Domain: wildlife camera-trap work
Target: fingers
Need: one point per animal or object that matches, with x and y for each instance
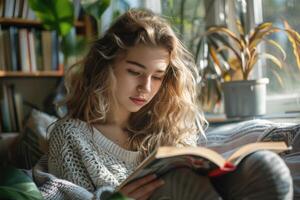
(133, 186)
(146, 196)
(145, 191)
(143, 188)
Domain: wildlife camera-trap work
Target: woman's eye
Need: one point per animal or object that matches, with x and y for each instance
(157, 78)
(133, 72)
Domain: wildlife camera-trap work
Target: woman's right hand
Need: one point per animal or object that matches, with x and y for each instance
(142, 189)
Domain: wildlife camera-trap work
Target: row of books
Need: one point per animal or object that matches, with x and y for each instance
(16, 9)
(29, 50)
(12, 113)
(21, 9)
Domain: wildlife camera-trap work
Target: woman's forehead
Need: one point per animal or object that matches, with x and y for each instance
(148, 55)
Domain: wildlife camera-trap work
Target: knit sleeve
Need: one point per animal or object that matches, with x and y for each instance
(53, 188)
(72, 158)
(190, 140)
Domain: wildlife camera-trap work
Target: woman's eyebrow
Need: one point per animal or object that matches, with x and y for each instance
(136, 63)
(142, 66)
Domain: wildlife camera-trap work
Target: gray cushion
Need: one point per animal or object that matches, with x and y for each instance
(32, 143)
(227, 137)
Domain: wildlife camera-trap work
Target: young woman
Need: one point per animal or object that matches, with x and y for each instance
(135, 91)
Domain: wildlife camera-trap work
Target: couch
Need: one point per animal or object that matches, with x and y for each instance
(24, 150)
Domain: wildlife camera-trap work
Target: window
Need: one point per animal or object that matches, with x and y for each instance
(187, 18)
(191, 17)
(284, 86)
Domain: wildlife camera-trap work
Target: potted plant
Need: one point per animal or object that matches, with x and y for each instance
(59, 16)
(234, 56)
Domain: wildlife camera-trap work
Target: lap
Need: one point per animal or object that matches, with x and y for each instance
(261, 175)
(183, 183)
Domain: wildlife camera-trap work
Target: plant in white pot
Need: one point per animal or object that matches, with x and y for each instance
(234, 57)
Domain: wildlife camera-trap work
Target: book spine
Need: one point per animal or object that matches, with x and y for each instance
(19, 110)
(11, 107)
(31, 45)
(7, 52)
(47, 50)
(2, 55)
(9, 8)
(54, 52)
(24, 55)
(7, 126)
(13, 47)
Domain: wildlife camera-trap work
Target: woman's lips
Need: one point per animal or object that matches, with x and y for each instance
(138, 101)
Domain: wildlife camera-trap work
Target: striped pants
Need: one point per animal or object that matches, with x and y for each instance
(262, 175)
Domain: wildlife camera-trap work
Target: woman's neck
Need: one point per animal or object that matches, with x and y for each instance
(115, 128)
(119, 119)
(115, 133)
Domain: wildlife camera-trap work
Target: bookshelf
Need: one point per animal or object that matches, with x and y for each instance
(30, 22)
(38, 74)
(31, 64)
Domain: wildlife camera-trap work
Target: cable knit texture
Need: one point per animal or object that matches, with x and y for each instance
(85, 157)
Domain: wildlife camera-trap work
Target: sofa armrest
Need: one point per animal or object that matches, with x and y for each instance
(7, 141)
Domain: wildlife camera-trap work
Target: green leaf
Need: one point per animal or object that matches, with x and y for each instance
(171, 4)
(73, 45)
(14, 184)
(227, 32)
(95, 8)
(222, 40)
(55, 15)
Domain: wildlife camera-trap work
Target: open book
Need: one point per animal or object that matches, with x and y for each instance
(202, 160)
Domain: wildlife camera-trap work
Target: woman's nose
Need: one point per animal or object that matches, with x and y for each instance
(145, 84)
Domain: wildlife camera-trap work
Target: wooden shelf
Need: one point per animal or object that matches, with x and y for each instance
(7, 74)
(30, 23)
(9, 134)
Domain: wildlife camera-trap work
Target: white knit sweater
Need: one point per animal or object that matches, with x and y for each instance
(87, 158)
(83, 164)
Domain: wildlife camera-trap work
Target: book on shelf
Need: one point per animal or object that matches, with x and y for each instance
(38, 49)
(8, 8)
(50, 50)
(18, 100)
(14, 47)
(24, 53)
(201, 160)
(29, 50)
(16, 9)
(7, 53)
(11, 105)
(5, 112)
(9, 43)
(2, 56)
(11, 109)
(1, 8)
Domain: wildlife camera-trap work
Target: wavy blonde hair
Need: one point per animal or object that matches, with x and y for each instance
(172, 115)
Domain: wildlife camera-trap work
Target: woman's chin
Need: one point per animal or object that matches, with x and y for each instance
(134, 109)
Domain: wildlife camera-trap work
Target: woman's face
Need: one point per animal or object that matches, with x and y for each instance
(139, 74)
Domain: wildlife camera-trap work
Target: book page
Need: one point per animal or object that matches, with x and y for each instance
(201, 160)
(239, 154)
(203, 152)
(161, 166)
